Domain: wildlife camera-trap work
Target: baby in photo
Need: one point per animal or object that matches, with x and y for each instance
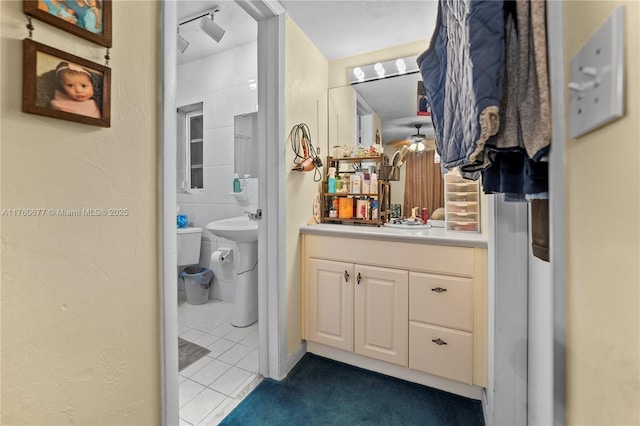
(74, 91)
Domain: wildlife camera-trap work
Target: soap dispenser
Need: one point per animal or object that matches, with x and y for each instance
(236, 183)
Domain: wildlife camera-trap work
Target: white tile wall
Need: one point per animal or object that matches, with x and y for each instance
(213, 385)
(223, 82)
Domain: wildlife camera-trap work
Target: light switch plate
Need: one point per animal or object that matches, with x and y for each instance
(596, 78)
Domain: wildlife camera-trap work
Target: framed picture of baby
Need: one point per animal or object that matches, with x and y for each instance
(89, 19)
(61, 85)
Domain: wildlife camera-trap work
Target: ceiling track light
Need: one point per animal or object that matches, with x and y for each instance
(182, 42)
(211, 29)
(206, 24)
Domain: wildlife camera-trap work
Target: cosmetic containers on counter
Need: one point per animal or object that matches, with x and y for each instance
(354, 207)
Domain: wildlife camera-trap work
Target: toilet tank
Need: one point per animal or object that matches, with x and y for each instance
(189, 240)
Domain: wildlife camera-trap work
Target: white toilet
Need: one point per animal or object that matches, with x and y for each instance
(189, 241)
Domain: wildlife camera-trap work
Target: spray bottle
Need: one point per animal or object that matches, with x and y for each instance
(332, 180)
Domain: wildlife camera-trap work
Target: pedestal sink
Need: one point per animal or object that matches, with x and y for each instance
(244, 232)
(239, 229)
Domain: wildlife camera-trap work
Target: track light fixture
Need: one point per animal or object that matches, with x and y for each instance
(211, 29)
(182, 43)
(206, 24)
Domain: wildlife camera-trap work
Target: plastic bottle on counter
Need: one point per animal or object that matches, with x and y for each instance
(373, 185)
(236, 183)
(332, 180)
(366, 183)
(338, 184)
(355, 184)
(362, 208)
(346, 184)
(374, 209)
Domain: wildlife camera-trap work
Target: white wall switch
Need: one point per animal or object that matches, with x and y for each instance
(596, 78)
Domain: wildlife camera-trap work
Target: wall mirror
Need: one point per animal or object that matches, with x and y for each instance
(394, 103)
(245, 128)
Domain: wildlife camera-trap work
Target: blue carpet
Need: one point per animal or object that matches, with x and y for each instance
(320, 391)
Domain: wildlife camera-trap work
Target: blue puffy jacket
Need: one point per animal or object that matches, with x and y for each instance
(462, 73)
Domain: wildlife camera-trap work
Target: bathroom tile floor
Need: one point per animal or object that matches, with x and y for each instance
(212, 386)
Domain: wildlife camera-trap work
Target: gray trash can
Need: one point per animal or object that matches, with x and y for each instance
(196, 284)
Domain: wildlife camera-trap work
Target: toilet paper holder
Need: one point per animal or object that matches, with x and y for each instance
(222, 255)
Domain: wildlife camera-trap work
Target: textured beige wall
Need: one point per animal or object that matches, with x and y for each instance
(80, 295)
(603, 243)
(306, 102)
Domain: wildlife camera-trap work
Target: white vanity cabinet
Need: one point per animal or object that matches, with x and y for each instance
(420, 307)
(358, 308)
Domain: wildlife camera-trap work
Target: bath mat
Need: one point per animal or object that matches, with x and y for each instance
(188, 353)
(320, 391)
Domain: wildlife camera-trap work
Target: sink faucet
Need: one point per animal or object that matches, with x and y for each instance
(254, 216)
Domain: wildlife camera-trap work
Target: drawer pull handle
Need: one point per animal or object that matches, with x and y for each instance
(346, 276)
(359, 278)
(438, 289)
(439, 342)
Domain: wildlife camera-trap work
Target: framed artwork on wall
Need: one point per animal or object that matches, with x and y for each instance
(89, 19)
(61, 85)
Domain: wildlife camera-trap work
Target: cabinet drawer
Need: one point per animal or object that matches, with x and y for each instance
(441, 300)
(441, 352)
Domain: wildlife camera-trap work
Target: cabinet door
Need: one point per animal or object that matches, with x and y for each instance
(382, 313)
(330, 303)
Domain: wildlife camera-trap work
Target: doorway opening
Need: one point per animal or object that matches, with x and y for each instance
(272, 355)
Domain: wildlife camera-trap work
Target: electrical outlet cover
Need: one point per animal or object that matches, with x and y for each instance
(596, 88)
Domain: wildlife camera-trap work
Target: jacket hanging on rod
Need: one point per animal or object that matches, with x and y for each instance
(462, 74)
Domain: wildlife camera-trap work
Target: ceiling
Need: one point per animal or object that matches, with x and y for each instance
(346, 28)
(239, 28)
(351, 27)
(339, 29)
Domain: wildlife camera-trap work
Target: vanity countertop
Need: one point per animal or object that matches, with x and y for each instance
(438, 236)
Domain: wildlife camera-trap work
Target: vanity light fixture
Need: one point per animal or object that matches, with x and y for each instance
(207, 25)
(383, 69)
(358, 73)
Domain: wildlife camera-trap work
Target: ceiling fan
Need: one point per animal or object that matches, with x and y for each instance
(418, 141)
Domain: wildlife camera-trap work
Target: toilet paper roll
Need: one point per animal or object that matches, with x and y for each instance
(220, 256)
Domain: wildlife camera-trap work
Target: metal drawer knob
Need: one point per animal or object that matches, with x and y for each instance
(346, 276)
(439, 342)
(438, 289)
